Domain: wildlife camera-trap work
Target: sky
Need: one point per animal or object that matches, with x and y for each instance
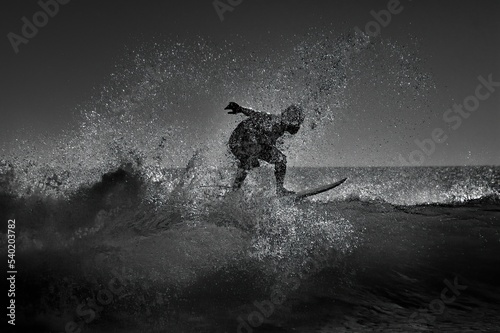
(71, 58)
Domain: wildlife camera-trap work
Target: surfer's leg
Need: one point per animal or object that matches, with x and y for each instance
(247, 155)
(274, 156)
(241, 174)
(279, 173)
(246, 163)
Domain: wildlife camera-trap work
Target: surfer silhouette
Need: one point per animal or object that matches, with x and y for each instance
(255, 139)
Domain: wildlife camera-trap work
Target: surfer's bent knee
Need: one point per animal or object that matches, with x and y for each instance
(281, 159)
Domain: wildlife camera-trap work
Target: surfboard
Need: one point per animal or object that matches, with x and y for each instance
(316, 190)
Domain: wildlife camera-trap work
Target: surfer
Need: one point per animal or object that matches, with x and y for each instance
(255, 139)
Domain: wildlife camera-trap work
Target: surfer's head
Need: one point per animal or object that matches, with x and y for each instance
(292, 117)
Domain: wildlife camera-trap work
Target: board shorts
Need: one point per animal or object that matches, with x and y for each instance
(249, 154)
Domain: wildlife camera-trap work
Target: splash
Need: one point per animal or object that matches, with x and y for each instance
(164, 102)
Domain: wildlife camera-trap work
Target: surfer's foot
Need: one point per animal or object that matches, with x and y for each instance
(281, 191)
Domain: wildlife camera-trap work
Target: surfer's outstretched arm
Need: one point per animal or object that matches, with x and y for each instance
(235, 109)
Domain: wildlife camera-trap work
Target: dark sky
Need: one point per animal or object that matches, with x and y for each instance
(70, 58)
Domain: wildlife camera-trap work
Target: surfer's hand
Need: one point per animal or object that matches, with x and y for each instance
(234, 107)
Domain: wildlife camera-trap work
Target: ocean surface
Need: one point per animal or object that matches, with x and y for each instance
(394, 249)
